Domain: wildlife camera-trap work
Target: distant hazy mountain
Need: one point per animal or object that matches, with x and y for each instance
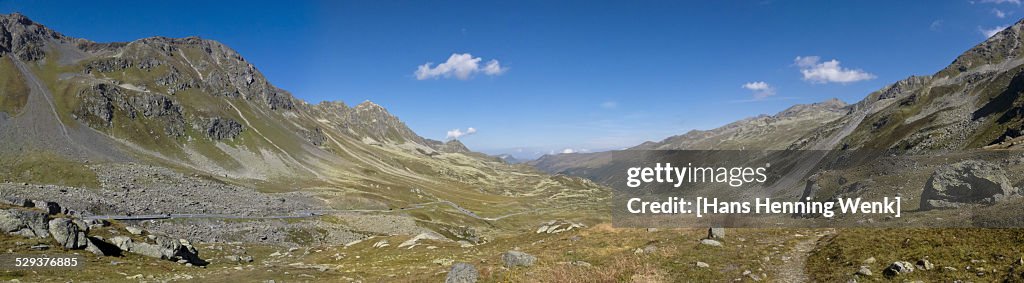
(777, 131)
(508, 158)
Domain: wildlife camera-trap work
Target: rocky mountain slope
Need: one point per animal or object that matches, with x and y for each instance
(973, 103)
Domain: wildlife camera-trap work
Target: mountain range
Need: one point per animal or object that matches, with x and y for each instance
(161, 150)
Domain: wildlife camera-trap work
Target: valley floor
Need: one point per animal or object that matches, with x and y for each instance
(597, 254)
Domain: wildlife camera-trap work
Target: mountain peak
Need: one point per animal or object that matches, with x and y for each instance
(453, 146)
(369, 105)
(1003, 46)
(25, 38)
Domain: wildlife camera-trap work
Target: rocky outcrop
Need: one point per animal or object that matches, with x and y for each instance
(904, 86)
(96, 106)
(101, 102)
(220, 128)
(964, 183)
(175, 81)
(315, 137)
(107, 65)
(24, 222)
(72, 234)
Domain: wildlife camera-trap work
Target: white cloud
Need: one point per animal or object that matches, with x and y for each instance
(936, 25)
(992, 31)
(460, 66)
(457, 133)
(1017, 2)
(829, 71)
(760, 89)
(999, 13)
(494, 68)
(569, 150)
(609, 105)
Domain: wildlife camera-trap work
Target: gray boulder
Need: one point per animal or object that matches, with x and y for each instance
(163, 248)
(123, 243)
(133, 230)
(864, 271)
(967, 182)
(97, 246)
(711, 242)
(898, 268)
(27, 223)
(517, 258)
(16, 201)
(716, 233)
(462, 273)
(66, 233)
(50, 207)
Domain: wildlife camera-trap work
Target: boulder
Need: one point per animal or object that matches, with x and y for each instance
(99, 247)
(716, 233)
(864, 271)
(16, 201)
(967, 182)
(517, 258)
(711, 242)
(164, 248)
(898, 268)
(462, 273)
(66, 233)
(133, 230)
(122, 242)
(924, 264)
(50, 207)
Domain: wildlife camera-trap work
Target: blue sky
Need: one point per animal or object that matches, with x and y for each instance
(581, 75)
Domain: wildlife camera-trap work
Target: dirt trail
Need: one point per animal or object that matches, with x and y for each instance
(794, 264)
